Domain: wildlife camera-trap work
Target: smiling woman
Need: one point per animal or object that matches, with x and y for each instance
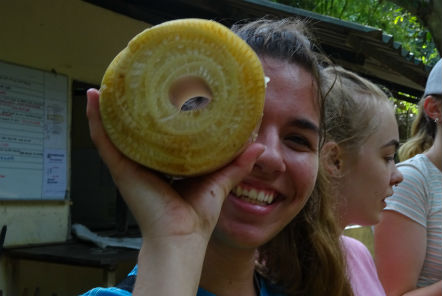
(262, 224)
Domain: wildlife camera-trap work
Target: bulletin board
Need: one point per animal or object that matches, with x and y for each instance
(33, 134)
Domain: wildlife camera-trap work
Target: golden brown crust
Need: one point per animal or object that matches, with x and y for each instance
(142, 119)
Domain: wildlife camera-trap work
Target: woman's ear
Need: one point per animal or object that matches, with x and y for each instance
(433, 108)
(331, 158)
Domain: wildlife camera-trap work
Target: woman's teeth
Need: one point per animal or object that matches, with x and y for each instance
(254, 196)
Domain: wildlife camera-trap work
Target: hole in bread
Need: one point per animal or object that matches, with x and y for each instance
(190, 93)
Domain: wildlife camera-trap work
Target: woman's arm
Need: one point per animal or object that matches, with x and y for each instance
(400, 247)
(175, 222)
(434, 289)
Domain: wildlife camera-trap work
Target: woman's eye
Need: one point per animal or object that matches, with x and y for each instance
(298, 142)
(389, 158)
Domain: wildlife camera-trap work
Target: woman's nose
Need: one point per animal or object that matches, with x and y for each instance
(271, 162)
(396, 177)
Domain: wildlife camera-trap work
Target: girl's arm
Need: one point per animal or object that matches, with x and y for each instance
(400, 247)
(176, 222)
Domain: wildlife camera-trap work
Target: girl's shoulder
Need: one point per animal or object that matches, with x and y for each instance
(420, 164)
(354, 246)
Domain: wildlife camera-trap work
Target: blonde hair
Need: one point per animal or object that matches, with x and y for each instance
(423, 131)
(351, 107)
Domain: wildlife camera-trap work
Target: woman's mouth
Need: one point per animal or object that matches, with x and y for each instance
(253, 195)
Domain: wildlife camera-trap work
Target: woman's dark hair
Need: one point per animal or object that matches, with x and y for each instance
(306, 257)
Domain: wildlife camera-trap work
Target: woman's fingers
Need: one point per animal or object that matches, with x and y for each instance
(106, 149)
(235, 172)
(117, 163)
(207, 193)
(151, 199)
(126, 174)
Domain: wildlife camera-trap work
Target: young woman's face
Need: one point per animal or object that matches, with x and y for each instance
(284, 175)
(369, 175)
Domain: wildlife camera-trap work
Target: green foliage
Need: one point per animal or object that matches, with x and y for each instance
(385, 15)
(405, 114)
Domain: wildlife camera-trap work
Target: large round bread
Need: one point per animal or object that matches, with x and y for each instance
(184, 97)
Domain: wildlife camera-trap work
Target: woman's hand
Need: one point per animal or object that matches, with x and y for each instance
(191, 206)
(176, 221)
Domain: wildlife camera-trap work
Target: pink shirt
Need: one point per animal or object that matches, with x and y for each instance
(361, 269)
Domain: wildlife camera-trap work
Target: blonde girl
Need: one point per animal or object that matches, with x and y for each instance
(408, 241)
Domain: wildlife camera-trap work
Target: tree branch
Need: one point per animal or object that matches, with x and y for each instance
(429, 14)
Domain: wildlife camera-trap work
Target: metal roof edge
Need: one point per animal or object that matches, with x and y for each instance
(385, 38)
(313, 15)
(388, 39)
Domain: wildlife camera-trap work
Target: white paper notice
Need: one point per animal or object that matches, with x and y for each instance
(33, 133)
(54, 183)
